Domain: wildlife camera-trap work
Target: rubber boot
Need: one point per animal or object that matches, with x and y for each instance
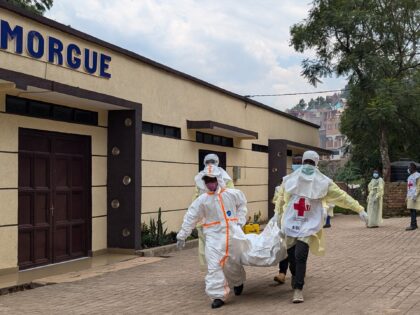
(217, 303)
(238, 290)
(413, 223)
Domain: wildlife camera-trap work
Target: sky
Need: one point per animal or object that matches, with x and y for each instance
(239, 45)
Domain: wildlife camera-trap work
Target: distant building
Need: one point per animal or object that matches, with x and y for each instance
(329, 120)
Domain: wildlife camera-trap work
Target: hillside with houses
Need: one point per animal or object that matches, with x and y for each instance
(325, 112)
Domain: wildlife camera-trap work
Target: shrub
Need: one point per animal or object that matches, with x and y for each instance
(154, 234)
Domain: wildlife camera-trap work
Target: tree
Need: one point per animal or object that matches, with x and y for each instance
(348, 174)
(374, 43)
(35, 6)
(300, 106)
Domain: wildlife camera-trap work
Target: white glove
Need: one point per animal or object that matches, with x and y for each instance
(180, 244)
(363, 216)
(282, 234)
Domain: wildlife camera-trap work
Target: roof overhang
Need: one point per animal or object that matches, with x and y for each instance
(220, 129)
(293, 144)
(85, 37)
(27, 86)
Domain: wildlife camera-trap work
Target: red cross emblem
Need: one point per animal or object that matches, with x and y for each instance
(410, 184)
(301, 207)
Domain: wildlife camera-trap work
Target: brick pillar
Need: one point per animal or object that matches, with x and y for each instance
(394, 203)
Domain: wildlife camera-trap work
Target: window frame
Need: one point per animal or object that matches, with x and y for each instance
(50, 109)
(208, 138)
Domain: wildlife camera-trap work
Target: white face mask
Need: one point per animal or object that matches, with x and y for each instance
(295, 167)
(375, 175)
(408, 171)
(308, 169)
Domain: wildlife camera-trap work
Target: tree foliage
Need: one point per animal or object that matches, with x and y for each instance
(375, 44)
(300, 106)
(35, 6)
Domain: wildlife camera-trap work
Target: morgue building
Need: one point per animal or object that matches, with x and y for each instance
(94, 139)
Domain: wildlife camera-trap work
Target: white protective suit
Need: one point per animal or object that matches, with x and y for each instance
(200, 189)
(223, 213)
(374, 201)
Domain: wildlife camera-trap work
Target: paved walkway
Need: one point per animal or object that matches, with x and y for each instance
(365, 271)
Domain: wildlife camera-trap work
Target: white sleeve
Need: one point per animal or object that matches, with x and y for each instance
(241, 209)
(191, 218)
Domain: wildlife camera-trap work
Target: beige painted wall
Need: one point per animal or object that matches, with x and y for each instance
(166, 98)
(168, 178)
(9, 127)
(170, 100)
(8, 247)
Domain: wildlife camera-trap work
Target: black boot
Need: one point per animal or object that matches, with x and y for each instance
(413, 223)
(238, 290)
(217, 303)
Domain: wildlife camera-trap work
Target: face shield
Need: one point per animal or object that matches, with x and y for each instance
(211, 159)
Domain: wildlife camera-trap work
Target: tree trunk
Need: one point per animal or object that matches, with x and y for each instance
(384, 150)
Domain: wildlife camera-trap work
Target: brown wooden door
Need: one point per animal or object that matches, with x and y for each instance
(277, 163)
(54, 197)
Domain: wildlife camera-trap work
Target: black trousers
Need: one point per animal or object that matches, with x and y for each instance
(298, 256)
(283, 265)
(413, 214)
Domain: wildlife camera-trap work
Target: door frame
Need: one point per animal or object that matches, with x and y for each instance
(87, 203)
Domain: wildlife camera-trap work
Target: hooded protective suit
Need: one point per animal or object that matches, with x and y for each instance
(301, 203)
(223, 213)
(209, 159)
(374, 201)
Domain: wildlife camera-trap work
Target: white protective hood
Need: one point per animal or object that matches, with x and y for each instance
(213, 157)
(210, 171)
(313, 186)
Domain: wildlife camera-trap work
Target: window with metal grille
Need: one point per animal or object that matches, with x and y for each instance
(161, 130)
(213, 139)
(260, 148)
(27, 107)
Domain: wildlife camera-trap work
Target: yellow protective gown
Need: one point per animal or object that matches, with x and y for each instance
(276, 194)
(336, 196)
(330, 209)
(374, 201)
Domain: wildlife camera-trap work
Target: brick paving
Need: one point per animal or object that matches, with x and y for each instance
(365, 271)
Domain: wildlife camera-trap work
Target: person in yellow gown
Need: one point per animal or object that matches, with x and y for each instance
(280, 278)
(374, 200)
(303, 196)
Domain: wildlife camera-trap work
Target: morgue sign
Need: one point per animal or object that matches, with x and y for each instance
(37, 46)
